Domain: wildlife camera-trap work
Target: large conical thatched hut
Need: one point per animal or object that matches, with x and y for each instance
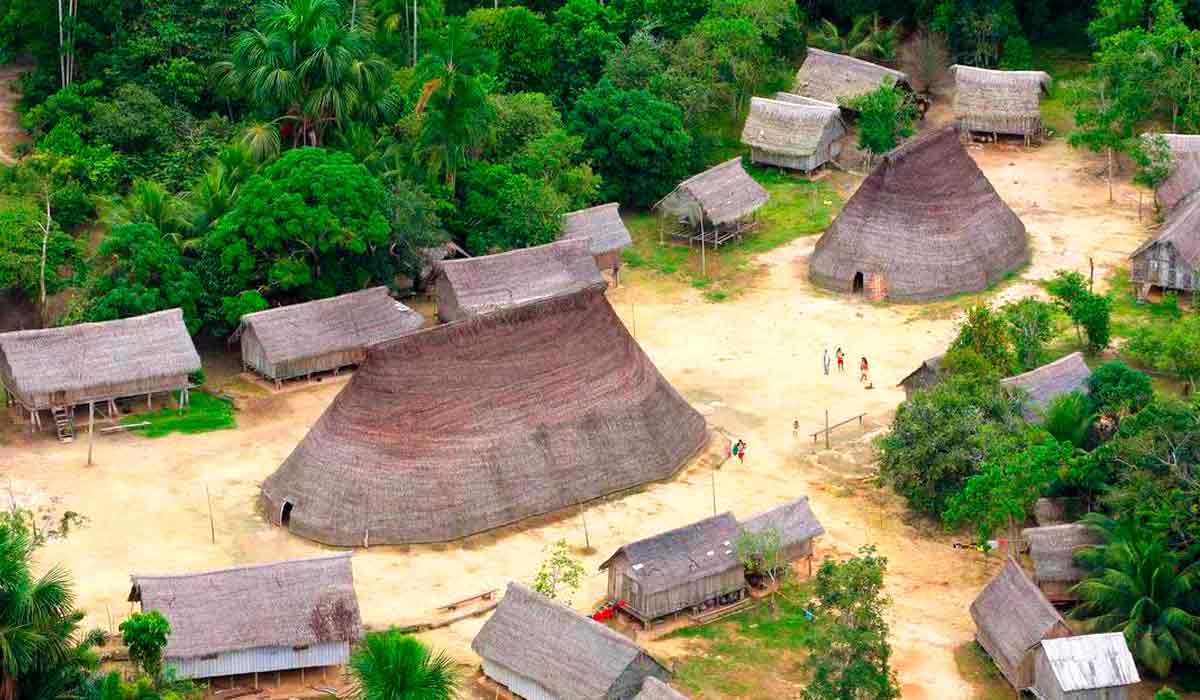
(713, 206)
(925, 223)
(834, 77)
(999, 101)
(793, 135)
(479, 423)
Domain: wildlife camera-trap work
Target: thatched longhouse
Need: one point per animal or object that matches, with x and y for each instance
(679, 569)
(252, 619)
(1052, 549)
(473, 286)
(601, 226)
(541, 649)
(796, 524)
(475, 424)
(1011, 615)
(791, 135)
(1086, 667)
(925, 223)
(713, 206)
(1039, 386)
(926, 375)
(654, 689)
(833, 77)
(56, 368)
(317, 336)
(999, 101)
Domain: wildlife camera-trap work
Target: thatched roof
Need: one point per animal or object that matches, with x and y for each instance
(77, 358)
(1014, 615)
(1053, 548)
(287, 603)
(928, 221)
(570, 655)
(478, 423)
(1057, 510)
(337, 324)
(654, 689)
(690, 553)
(789, 128)
(724, 193)
(1091, 662)
(1043, 384)
(1181, 230)
(490, 282)
(802, 100)
(601, 226)
(983, 92)
(833, 77)
(931, 366)
(794, 520)
(1182, 180)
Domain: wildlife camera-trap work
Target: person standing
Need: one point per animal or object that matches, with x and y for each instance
(741, 453)
(864, 369)
(825, 361)
(841, 360)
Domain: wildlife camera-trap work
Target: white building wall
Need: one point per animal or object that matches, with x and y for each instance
(261, 659)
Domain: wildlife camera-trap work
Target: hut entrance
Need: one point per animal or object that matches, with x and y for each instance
(285, 514)
(858, 283)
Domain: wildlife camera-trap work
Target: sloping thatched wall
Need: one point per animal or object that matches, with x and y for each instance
(1041, 385)
(721, 195)
(601, 226)
(1052, 549)
(97, 361)
(475, 424)
(300, 339)
(833, 77)
(1171, 259)
(999, 101)
(926, 223)
(792, 135)
(1011, 615)
(654, 689)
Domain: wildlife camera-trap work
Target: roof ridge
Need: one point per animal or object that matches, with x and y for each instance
(800, 106)
(55, 330)
(463, 262)
(597, 207)
(855, 59)
(589, 623)
(324, 301)
(243, 567)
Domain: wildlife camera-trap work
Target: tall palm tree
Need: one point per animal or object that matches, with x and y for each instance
(394, 666)
(1143, 589)
(149, 202)
(868, 38)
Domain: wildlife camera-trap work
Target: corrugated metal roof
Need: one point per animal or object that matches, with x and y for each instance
(1091, 661)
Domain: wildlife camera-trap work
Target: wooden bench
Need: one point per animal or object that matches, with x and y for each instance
(486, 595)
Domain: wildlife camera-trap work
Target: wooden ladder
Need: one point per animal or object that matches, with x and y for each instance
(64, 423)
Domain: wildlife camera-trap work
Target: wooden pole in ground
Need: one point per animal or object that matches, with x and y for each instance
(1091, 273)
(587, 541)
(91, 429)
(827, 428)
(212, 527)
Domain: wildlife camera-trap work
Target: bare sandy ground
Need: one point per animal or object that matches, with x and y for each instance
(751, 365)
(11, 132)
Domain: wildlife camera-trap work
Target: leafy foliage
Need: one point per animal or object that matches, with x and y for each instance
(559, 576)
(1067, 418)
(987, 333)
(1116, 389)
(1170, 347)
(138, 270)
(145, 634)
(1031, 326)
(886, 117)
(21, 253)
(394, 666)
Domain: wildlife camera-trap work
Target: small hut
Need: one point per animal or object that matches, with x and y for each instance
(253, 619)
(56, 369)
(689, 567)
(714, 206)
(538, 648)
(1039, 386)
(1057, 511)
(1011, 615)
(833, 77)
(1084, 667)
(793, 135)
(1052, 549)
(999, 101)
(796, 524)
(926, 223)
(479, 285)
(654, 689)
(926, 375)
(317, 336)
(1171, 259)
(601, 226)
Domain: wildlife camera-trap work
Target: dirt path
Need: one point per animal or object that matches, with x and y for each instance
(11, 133)
(751, 365)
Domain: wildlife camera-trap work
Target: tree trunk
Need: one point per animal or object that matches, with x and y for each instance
(42, 276)
(1110, 175)
(416, 26)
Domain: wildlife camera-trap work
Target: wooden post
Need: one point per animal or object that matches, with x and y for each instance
(827, 428)
(703, 264)
(91, 429)
(212, 527)
(1091, 273)
(149, 402)
(587, 540)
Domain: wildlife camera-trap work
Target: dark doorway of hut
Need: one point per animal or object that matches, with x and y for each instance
(858, 284)
(285, 514)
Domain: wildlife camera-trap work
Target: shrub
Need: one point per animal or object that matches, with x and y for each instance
(1017, 54)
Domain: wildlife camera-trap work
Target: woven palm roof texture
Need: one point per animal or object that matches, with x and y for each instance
(1053, 548)
(601, 226)
(794, 520)
(654, 689)
(1042, 384)
(836, 78)
(479, 423)
(682, 555)
(286, 603)
(1181, 230)
(724, 193)
(86, 355)
(1009, 93)
(1014, 614)
(790, 128)
(802, 100)
(928, 220)
(337, 324)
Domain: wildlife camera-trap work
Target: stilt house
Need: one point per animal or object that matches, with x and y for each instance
(1053, 549)
(714, 206)
(838, 79)
(793, 135)
(999, 101)
(796, 524)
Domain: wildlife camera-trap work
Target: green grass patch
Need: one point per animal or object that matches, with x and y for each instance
(204, 413)
(1128, 314)
(975, 667)
(1065, 66)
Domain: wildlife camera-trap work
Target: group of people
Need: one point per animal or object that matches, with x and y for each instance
(864, 368)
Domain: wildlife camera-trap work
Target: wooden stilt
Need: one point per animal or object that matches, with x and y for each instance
(149, 402)
(91, 429)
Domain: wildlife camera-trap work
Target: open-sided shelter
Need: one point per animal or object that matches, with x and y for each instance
(999, 101)
(796, 524)
(473, 286)
(1011, 615)
(685, 568)
(1052, 549)
(471, 425)
(837, 78)
(654, 689)
(326, 334)
(280, 616)
(1084, 667)
(793, 135)
(542, 650)
(713, 206)
(925, 375)
(926, 223)
(55, 369)
(601, 226)
(1041, 385)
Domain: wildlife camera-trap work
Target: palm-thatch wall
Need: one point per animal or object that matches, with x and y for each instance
(713, 206)
(52, 367)
(1041, 385)
(926, 223)
(999, 101)
(479, 423)
(1052, 549)
(316, 336)
(836, 78)
(792, 135)
(601, 226)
